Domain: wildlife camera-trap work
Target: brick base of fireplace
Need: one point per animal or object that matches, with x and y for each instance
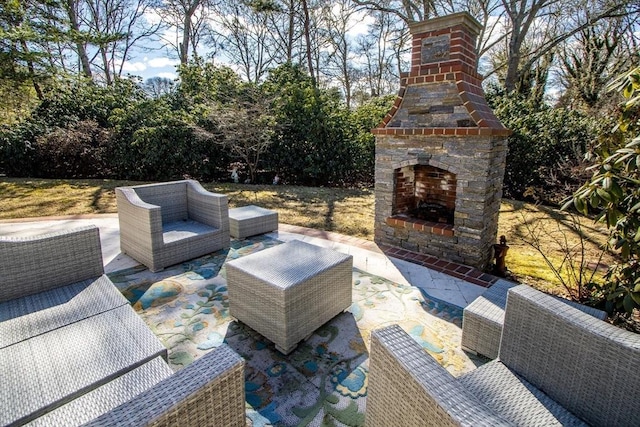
(438, 228)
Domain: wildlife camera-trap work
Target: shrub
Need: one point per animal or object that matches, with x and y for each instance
(79, 151)
(546, 149)
(18, 149)
(317, 139)
(613, 192)
(24, 147)
(153, 142)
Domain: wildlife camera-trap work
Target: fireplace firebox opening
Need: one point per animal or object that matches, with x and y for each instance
(425, 193)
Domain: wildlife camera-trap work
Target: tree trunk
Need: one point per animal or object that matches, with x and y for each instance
(105, 61)
(291, 33)
(32, 71)
(307, 38)
(184, 46)
(186, 32)
(513, 62)
(80, 46)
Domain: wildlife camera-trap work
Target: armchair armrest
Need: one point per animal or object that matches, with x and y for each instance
(407, 387)
(139, 220)
(209, 392)
(207, 207)
(29, 265)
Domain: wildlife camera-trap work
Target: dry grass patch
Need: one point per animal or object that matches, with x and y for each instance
(560, 237)
(27, 198)
(345, 211)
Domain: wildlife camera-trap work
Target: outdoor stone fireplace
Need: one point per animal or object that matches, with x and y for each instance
(440, 151)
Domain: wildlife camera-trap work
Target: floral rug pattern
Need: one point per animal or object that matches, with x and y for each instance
(324, 380)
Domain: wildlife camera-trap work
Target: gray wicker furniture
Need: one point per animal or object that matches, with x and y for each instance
(73, 351)
(483, 319)
(556, 366)
(251, 220)
(170, 222)
(288, 291)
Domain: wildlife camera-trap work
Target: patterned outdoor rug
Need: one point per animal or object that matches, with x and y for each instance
(323, 381)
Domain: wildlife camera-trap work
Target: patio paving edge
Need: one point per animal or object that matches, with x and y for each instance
(460, 271)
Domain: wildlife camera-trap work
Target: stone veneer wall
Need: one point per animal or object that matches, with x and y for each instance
(478, 162)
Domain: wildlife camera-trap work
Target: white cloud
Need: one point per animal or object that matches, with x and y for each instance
(162, 62)
(133, 67)
(359, 23)
(170, 76)
(152, 16)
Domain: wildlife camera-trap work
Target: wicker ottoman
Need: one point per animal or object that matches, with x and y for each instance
(251, 220)
(288, 291)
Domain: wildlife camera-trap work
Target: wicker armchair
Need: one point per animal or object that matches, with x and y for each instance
(167, 223)
(556, 366)
(483, 319)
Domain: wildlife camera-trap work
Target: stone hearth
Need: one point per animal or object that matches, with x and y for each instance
(440, 152)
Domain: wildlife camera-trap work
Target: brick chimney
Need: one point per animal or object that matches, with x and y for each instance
(440, 151)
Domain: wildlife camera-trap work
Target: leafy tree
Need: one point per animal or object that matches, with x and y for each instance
(23, 31)
(204, 83)
(246, 127)
(614, 193)
(546, 147)
(116, 26)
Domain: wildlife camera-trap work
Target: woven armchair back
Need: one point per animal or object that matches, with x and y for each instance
(170, 196)
(33, 264)
(585, 364)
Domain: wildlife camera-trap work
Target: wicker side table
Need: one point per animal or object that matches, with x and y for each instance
(251, 220)
(287, 292)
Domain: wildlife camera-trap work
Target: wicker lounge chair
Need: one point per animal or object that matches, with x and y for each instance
(167, 223)
(73, 350)
(556, 366)
(483, 319)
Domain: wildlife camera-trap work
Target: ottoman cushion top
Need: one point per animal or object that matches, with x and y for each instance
(289, 264)
(248, 212)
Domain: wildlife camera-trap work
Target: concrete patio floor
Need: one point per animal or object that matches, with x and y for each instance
(456, 284)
